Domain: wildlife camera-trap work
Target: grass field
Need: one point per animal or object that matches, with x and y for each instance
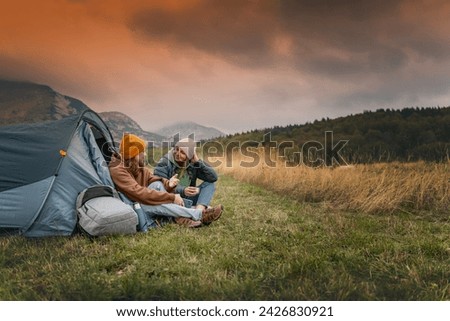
(265, 247)
(372, 188)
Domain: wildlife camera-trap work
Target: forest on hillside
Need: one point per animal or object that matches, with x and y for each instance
(384, 135)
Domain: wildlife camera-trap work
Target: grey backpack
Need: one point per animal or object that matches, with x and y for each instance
(102, 212)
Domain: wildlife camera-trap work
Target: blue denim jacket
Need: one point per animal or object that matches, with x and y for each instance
(167, 167)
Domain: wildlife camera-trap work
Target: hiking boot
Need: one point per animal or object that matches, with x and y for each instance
(187, 222)
(211, 214)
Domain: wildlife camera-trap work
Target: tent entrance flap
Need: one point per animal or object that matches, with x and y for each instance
(84, 166)
(102, 144)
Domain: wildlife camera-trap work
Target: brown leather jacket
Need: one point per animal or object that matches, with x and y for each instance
(134, 184)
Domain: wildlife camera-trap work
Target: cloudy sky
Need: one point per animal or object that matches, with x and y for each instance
(234, 65)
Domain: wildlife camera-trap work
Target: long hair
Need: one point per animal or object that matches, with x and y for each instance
(130, 164)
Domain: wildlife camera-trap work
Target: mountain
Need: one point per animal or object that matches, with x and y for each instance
(119, 124)
(184, 129)
(25, 102)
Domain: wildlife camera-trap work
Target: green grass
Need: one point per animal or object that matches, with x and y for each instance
(265, 247)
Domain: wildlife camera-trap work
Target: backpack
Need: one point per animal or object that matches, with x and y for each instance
(102, 212)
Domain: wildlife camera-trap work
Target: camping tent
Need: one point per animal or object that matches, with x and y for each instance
(43, 167)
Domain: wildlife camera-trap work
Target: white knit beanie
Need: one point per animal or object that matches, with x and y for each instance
(187, 145)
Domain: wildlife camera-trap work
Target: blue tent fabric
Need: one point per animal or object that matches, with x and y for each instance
(39, 184)
(36, 145)
(19, 206)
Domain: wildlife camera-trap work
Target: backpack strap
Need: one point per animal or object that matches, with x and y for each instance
(97, 191)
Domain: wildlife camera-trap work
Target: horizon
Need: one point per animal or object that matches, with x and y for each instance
(187, 121)
(304, 123)
(273, 126)
(309, 122)
(235, 66)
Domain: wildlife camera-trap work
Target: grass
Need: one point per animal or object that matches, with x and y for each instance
(376, 188)
(265, 247)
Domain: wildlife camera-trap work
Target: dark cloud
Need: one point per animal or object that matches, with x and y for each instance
(380, 60)
(425, 44)
(395, 92)
(349, 24)
(235, 30)
(362, 36)
(349, 9)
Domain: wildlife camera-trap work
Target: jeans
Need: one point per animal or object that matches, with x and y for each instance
(170, 210)
(152, 212)
(204, 197)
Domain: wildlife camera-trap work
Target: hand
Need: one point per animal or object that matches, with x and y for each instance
(191, 191)
(195, 158)
(178, 200)
(173, 181)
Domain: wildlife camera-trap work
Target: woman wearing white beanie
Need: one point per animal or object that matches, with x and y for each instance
(183, 161)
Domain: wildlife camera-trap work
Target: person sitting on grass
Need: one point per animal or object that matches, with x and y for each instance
(184, 161)
(132, 178)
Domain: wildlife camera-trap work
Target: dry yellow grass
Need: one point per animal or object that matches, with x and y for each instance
(371, 188)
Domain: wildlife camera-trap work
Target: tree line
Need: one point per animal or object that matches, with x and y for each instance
(384, 135)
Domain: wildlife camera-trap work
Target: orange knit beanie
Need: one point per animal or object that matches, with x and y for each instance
(131, 146)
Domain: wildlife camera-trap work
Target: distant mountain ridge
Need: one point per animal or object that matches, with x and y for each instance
(120, 123)
(184, 129)
(26, 102)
